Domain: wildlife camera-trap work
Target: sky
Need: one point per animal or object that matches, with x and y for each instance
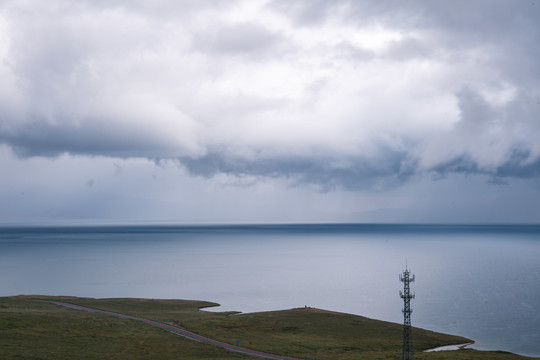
(188, 111)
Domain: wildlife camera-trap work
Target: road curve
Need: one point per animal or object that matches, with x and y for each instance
(180, 332)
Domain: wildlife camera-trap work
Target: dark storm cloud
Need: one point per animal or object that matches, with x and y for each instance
(341, 94)
(325, 172)
(518, 165)
(48, 140)
(521, 164)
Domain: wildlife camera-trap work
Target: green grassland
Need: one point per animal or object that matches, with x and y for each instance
(33, 328)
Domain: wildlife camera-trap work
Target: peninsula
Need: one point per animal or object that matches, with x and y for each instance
(42, 327)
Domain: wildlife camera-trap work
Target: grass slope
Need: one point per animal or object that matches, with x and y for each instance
(34, 329)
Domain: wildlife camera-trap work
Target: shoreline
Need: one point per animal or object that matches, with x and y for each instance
(188, 317)
(452, 347)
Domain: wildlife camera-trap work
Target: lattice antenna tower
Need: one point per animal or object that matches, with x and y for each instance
(406, 295)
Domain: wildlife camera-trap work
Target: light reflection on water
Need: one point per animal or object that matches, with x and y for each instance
(478, 282)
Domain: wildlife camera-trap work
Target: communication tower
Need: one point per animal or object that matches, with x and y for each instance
(406, 295)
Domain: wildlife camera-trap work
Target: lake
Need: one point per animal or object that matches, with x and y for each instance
(481, 282)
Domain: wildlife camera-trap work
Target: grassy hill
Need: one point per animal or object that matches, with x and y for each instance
(31, 328)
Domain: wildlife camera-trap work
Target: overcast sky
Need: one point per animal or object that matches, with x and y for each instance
(270, 111)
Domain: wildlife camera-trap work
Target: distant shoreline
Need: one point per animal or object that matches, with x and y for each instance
(265, 225)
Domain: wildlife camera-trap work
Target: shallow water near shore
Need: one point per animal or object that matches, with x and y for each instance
(481, 282)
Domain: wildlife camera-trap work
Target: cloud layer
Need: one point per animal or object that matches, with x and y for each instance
(350, 94)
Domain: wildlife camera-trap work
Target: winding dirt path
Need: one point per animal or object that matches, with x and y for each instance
(180, 332)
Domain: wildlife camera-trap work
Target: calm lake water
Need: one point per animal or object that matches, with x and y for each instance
(481, 282)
